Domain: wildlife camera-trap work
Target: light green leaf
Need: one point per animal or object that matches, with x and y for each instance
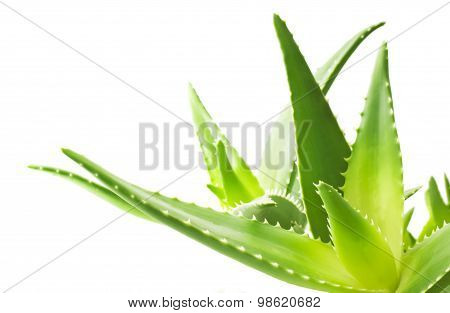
(426, 263)
(95, 188)
(438, 210)
(283, 254)
(408, 238)
(234, 189)
(374, 179)
(279, 153)
(447, 188)
(411, 192)
(359, 244)
(321, 145)
(209, 135)
(275, 209)
(275, 170)
(326, 75)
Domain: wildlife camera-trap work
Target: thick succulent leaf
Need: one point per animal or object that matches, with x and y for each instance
(280, 146)
(374, 179)
(408, 238)
(95, 188)
(439, 211)
(321, 145)
(359, 243)
(427, 263)
(411, 192)
(209, 135)
(442, 286)
(283, 254)
(326, 75)
(275, 209)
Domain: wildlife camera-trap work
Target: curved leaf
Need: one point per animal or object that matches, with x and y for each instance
(321, 146)
(359, 244)
(209, 135)
(326, 75)
(95, 188)
(374, 179)
(427, 263)
(276, 210)
(288, 256)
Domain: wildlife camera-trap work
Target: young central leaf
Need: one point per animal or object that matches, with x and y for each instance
(321, 145)
(359, 245)
(246, 187)
(374, 179)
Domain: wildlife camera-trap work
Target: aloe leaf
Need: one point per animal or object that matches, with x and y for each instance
(234, 190)
(294, 183)
(95, 188)
(283, 254)
(442, 286)
(411, 192)
(374, 179)
(427, 263)
(279, 149)
(279, 154)
(326, 74)
(321, 147)
(447, 188)
(439, 211)
(408, 238)
(359, 243)
(275, 209)
(209, 135)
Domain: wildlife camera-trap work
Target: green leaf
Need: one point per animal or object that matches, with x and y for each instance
(234, 189)
(408, 238)
(283, 254)
(411, 192)
(358, 242)
(426, 263)
(326, 75)
(321, 145)
(279, 153)
(294, 183)
(442, 286)
(276, 209)
(447, 188)
(95, 188)
(438, 210)
(209, 135)
(275, 170)
(374, 179)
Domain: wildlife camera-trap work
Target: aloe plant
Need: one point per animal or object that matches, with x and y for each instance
(332, 218)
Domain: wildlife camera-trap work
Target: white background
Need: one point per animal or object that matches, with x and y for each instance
(51, 97)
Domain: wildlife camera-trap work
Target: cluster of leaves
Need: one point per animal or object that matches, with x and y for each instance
(335, 225)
